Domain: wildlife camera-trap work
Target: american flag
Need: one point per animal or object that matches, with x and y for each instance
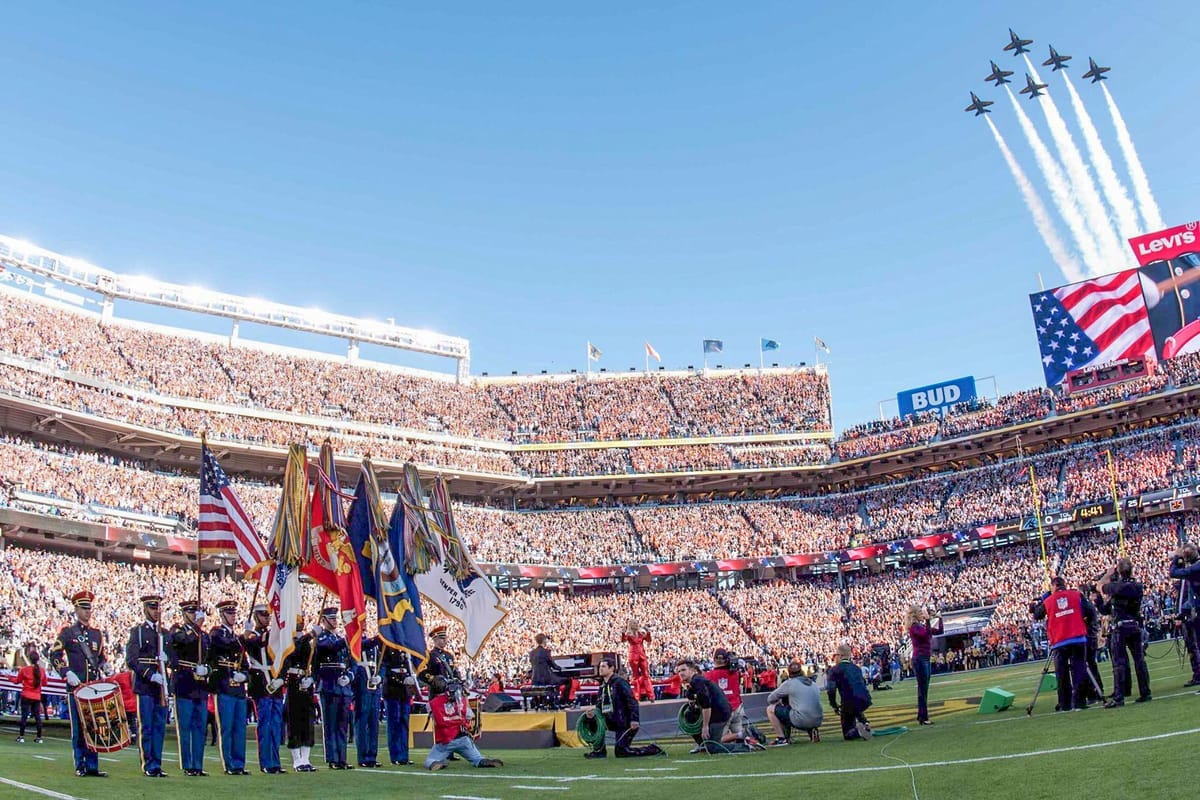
(1091, 322)
(225, 526)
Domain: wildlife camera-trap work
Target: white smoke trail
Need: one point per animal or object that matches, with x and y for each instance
(1114, 190)
(1082, 185)
(1141, 184)
(1064, 258)
(1060, 190)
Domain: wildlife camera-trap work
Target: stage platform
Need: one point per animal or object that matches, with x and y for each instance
(522, 730)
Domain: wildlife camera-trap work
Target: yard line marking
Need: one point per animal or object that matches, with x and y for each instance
(543, 788)
(110, 760)
(39, 790)
(45, 758)
(466, 797)
(653, 769)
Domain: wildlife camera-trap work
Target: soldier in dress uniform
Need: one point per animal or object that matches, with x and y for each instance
(365, 682)
(145, 655)
(333, 670)
(399, 687)
(299, 706)
(228, 658)
(265, 692)
(188, 647)
(441, 661)
(78, 655)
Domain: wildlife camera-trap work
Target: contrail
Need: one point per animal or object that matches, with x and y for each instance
(1095, 215)
(1114, 190)
(1141, 185)
(1064, 258)
(1060, 190)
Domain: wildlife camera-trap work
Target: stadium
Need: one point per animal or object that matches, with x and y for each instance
(351, 549)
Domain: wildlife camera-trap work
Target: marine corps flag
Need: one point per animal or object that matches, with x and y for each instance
(378, 548)
(333, 564)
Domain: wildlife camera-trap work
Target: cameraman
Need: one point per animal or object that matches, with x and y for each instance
(1067, 613)
(726, 675)
(1123, 599)
(1186, 568)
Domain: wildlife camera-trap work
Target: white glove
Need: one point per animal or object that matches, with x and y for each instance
(157, 678)
(306, 683)
(343, 680)
(470, 714)
(201, 671)
(316, 631)
(249, 627)
(237, 677)
(274, 685)
(73, 679)
(200, 617)
(374, 682)
(410, 681)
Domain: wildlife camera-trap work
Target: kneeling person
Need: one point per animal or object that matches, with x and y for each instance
(795, 704)
(620, 711)
(450, 718)
(714, 708)
(846, 679)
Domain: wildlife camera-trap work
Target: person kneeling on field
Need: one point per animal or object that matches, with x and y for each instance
(846, 679)
(795, 704)
(450, 719)
(619, 708)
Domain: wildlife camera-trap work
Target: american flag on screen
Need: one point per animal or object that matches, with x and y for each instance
(1091, 322)
(225, 526)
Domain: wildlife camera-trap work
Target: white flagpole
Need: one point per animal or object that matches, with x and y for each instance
(587, 359)
(647, 361)
(760, 355)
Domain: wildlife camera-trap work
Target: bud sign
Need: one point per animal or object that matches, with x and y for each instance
(937, 396)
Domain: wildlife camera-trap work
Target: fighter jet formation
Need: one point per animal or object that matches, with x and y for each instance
(1017, 46)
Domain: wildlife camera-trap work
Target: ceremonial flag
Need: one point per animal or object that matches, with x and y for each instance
(594, 352)
(333, 566)
(453, 581)
(378, 548)
(1091, 322)
(290, 551)
(820, 343)
(769, 344)
(713, 346)
(224, 525)
(652, 353)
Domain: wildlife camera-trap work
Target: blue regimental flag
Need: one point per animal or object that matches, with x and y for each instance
(378, 544)
(713, 346)
(769, 344)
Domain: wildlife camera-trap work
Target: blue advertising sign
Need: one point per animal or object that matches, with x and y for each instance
(938, 396)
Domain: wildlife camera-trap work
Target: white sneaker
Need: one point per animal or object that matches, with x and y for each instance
(20, 740)
(864, 729)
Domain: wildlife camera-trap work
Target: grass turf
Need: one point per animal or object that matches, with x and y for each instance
(1139, 750)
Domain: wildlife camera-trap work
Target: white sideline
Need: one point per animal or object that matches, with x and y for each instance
(803, 773)
(39, 790)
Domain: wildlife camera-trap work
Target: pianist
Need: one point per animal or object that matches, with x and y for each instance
(545, 672)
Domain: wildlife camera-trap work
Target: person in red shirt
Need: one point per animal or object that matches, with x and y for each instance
(768, 680)
(32, 678)
(451, 717)
(497, 684)
(639, 664)
(729, 680)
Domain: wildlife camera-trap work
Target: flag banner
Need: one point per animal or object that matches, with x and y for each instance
(224, 526)
(290, 551)
(769, 344)
(454, 582)
(333, 564)
(378, 548)
(594, 352)
(420, 542)
(1091, 322)
(652, 353)
(713, 346)
(819, 342)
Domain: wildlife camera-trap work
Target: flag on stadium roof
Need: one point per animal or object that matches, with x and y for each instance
(769, 344)
(224, 526)
(819, 342)
(1091, 322)
(594, 352)
(713, 346)
(652, 353)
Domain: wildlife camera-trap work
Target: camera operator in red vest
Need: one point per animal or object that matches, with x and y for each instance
(1067, 614)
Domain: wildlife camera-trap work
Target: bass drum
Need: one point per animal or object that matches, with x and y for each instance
(102, 715)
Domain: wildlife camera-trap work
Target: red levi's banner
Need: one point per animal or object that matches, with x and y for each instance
(1163, 245)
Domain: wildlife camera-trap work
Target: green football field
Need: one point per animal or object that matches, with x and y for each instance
(1138, 751)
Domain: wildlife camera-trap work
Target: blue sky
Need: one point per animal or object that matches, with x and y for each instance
(535, 175)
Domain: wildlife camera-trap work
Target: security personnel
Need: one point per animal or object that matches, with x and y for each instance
(228, 658)
(145, 655)
(1186, 568)
(78, 655)
(1125, 604)
(333, 662)
(1067, 614)
(188, 648)
(264, 691)
(299, 708)
(399, 687)
(365, 681)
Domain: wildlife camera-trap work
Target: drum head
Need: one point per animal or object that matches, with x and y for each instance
(96, 690)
